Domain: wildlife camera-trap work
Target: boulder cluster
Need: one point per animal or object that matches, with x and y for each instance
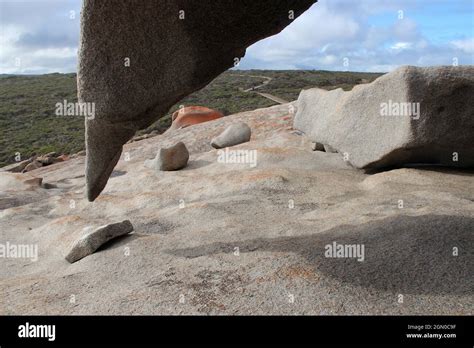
(167, 159)
(176, 157)
(36, 162)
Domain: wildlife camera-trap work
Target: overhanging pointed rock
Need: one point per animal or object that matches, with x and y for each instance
(138, 58)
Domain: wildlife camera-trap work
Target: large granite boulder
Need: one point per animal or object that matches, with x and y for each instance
(138, 58)
(411, 115)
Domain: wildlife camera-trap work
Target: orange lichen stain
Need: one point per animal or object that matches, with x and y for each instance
(297, 271)
(66, 220)
(262, 175)
(275, 150)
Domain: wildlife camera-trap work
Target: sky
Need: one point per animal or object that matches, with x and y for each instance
(41, 36)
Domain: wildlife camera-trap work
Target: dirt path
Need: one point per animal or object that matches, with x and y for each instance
(265, 95)
(274, 98)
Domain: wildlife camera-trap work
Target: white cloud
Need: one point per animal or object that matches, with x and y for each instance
(38, 37)
(42, 36)
(331, 31)
(57, 53)
(401, 46)
(405, 30)
(466, 45)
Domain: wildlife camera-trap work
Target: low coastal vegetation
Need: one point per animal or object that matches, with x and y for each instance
(30, 125)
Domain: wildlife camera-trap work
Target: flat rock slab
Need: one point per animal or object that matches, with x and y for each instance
(279, 216)
(411, 115)
(92, 241)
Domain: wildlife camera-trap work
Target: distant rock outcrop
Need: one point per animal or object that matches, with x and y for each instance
(411, 115)
(32, 166)
(35, 162)
(191, 115)
(138, 58)
(17, 167)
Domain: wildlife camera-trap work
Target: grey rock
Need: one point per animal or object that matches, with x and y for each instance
(45, 160)
(79, 154)
(38, 182)
(175, 47)
(48, 186)
(17, 167)
(32, 166)
(89, 243)
(363, 123)
(329, 149)
(51, 158)
(34, 182)
(235, 134)
(315, 146)
(172, 158)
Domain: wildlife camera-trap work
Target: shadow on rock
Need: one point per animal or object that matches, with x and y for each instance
(447, 170)
(119, 241)
(424, 167)
(117, 173)
(197, 164)
(403, 254)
